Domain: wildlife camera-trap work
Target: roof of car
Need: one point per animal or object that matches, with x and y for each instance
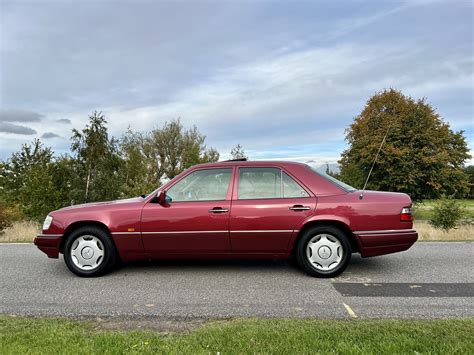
(280, 163)
(251, 163)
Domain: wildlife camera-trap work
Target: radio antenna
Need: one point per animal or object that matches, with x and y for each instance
(361, 196)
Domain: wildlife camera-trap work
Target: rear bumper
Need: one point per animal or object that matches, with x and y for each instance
(49, 244)
(373, 243)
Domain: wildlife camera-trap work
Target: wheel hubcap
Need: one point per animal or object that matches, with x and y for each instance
(87, 252)
(324, 252)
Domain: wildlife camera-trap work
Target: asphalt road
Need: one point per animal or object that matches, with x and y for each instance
(431, 280)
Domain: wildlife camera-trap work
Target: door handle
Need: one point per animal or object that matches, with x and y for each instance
(299, 208)
(218, 210)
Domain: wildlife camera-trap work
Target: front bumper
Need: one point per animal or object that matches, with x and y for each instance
(49, 244)
(373, 243)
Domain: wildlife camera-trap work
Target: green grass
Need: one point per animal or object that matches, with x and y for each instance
(424, 209)
(283, 336)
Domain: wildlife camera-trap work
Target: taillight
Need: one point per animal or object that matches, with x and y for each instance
(406, 215)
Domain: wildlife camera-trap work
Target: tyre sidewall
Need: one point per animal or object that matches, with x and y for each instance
(109, 251)
(307, 266)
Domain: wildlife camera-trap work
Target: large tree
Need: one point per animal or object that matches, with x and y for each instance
(421, 156)
(97, 161)
(172, 148)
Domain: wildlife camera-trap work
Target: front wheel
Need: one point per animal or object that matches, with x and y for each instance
(89, 252)
(323, 251)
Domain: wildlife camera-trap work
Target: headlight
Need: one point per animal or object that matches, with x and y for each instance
(47, 222)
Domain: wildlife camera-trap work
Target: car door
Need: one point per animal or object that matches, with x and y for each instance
(267, 206)
(197, 218)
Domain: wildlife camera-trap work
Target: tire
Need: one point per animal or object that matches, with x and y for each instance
(323, 251)
(89, 252)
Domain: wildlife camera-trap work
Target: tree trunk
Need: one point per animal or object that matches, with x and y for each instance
(88, 181)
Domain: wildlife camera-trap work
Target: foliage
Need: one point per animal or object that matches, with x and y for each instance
(33, 181)
(469, 170)
(172, 149)
(5, 221)
(422, 156)
(242, 336)
(238, 152)
(97, 161)
(28, 181)
(447, 214)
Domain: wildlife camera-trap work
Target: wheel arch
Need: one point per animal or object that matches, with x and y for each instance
(78, 224)
(332, 223)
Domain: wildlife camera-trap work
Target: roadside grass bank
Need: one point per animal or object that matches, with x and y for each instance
(25, 232)
(426, 232)
(20, 232)
(54, 336)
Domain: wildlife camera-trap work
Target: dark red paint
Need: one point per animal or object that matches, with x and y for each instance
(187, 229)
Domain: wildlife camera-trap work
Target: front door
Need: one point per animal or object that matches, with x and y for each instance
(197, 218)
(267, 207)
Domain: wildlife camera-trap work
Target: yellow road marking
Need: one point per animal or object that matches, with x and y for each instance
(350, 311)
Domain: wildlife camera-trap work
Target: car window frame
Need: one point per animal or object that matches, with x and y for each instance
(282, 170)
(230, 188)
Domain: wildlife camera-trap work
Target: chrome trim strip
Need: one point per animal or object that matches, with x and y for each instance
(49, 235)
(386, 231)
(265, 231)
(185, 232)
(121, 233)
(210, 232)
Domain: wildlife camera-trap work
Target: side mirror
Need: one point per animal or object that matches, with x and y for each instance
(162, 198)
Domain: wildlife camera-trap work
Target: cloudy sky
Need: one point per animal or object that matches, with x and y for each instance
(284, 79)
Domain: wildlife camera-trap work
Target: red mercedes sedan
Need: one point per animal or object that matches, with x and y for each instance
(235, 209)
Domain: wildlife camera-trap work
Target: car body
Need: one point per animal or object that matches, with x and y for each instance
(258, 209)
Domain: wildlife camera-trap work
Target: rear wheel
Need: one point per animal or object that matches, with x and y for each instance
(323, 251)
(89, 252)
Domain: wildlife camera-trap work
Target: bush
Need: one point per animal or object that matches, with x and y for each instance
(447, 214)
(5, 220)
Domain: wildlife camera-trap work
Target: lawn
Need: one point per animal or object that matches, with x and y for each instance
(424, 209)
(283, 336)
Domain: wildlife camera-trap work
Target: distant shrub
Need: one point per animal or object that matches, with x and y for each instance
(448, 212)
(5, 220)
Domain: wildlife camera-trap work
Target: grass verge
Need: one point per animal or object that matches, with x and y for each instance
(284, 336)
(20, 232)
(426, 232)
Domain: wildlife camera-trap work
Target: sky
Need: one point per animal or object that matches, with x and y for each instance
(282, 78)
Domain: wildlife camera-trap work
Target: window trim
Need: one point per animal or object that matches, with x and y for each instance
(237, 178)
(230, 188)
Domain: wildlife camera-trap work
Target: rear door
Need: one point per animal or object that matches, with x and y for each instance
(267, 206)
(196, 220)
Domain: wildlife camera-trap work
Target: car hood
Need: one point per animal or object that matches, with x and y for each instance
(104, 203)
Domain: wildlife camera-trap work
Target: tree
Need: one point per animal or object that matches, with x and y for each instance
(138, 174)
(97, 160)
(469, 170)
(172, 149)
(27, 180)
(238, 152)
(422, 156)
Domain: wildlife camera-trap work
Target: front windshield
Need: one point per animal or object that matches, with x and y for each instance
(333, 180)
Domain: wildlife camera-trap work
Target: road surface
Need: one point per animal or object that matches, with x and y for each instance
(431, 280)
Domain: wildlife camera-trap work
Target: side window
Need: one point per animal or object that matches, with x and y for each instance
(291, 189)
(255, 183)
(202, 185)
